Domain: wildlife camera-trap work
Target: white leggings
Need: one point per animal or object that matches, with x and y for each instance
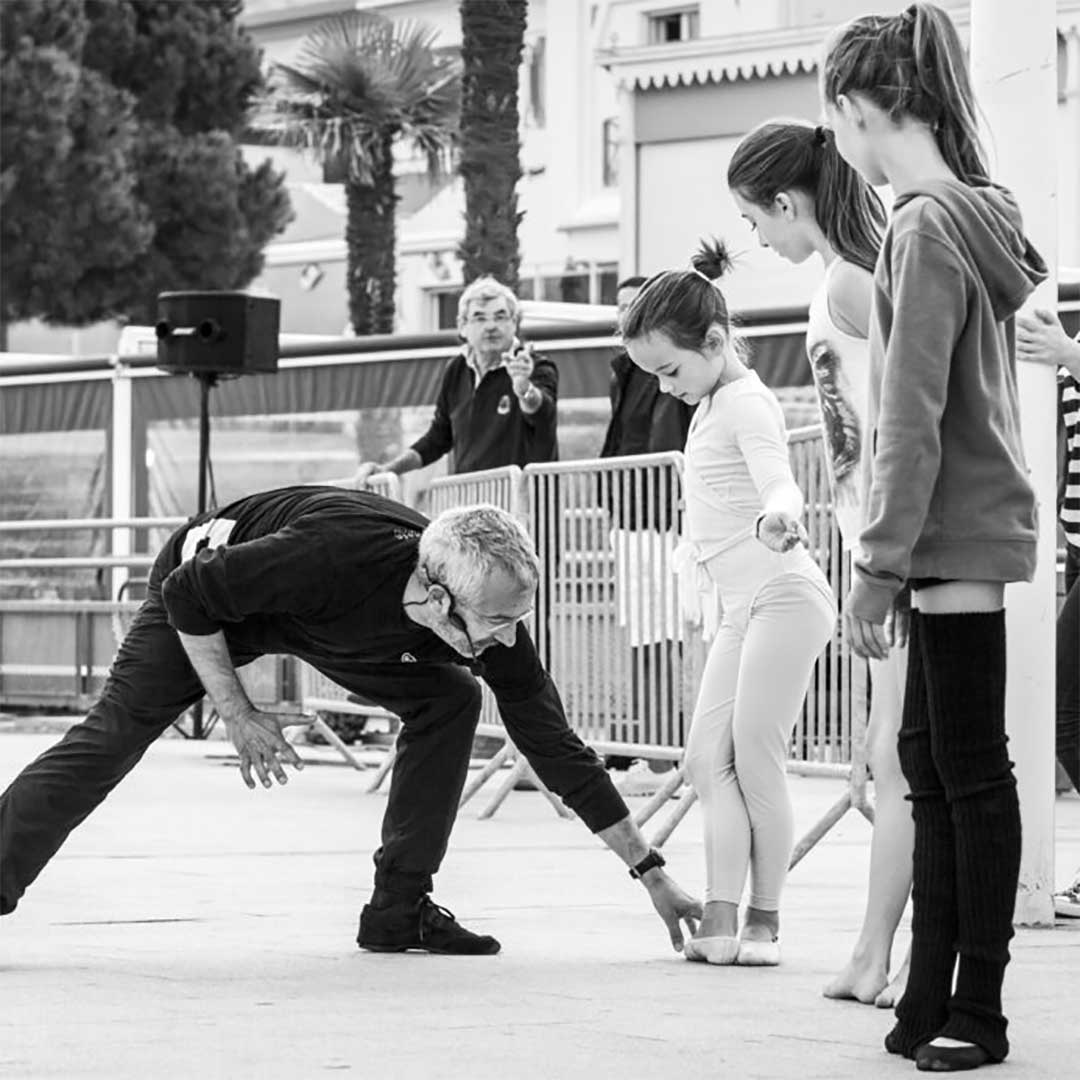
(751, 693)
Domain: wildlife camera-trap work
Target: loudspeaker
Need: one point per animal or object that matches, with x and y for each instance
(217, 333)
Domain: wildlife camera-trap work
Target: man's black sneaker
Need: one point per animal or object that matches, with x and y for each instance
(420, 925)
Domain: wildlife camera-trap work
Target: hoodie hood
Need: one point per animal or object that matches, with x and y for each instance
(988, 230)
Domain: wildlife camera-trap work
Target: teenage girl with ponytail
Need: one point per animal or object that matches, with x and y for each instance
(744, 538)
(803, 199)
(951, 511)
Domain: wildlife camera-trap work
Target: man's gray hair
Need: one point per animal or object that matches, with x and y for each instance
(461, 548)
(483, 289)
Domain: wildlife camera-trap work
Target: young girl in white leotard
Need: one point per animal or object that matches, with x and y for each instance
(744, 536)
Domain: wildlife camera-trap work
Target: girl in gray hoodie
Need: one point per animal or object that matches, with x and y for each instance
(950, 510)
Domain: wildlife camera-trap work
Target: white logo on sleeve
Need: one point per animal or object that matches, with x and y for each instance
(209, 534)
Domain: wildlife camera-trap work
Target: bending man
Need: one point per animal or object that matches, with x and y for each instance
(389, 606)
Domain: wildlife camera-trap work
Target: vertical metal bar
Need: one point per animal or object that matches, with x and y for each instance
(652, 643)
(625, 666)
(637, 620)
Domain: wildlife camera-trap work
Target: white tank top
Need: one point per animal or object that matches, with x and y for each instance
(840, 362)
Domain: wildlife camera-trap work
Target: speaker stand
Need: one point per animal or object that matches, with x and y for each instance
(207, 381)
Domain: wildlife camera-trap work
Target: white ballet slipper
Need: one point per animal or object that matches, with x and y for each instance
(759, 953)
(712, 950)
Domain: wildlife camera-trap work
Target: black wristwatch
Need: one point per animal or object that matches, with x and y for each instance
(650, 862)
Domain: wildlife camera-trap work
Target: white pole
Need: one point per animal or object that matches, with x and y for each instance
(628, 186)
(1013, 64)
(1068, 136)
(121, 471)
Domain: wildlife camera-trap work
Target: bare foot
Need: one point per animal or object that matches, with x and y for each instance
(890, 997)
(859, 981)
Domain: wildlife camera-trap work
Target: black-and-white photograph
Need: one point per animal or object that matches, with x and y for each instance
(539, 539)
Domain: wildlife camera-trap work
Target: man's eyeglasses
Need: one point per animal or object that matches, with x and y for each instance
(500, 318)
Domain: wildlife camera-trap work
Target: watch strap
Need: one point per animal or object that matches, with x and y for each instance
(650, 862)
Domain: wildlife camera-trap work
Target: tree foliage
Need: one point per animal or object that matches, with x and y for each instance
(71, 224)
(361, 83)
(493, 34)
(122, 173)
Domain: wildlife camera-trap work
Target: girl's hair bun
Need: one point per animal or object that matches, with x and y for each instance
(712, 259)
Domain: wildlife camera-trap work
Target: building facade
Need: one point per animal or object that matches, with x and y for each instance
(694, 77)
(630, 110)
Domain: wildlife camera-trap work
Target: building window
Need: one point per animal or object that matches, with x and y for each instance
(611, 152)
(446, 302)
(567, 288)
(668, 26)
(607, 282)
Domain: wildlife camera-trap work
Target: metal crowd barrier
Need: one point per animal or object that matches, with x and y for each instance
(500, 487)
(609, 623)
(387, 484)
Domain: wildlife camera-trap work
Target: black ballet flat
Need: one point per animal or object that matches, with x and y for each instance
(930, 1058)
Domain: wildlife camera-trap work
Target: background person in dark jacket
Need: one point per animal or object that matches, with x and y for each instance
(645, 421)
(497, 404)
(388, 606)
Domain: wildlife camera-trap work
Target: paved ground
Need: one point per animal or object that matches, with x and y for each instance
(193, 929)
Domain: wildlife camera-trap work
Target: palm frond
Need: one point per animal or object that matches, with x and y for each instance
(358, 77)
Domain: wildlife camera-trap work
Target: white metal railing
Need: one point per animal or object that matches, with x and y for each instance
(86, 524)
(118, 559)
(501, 487)
(386, 484)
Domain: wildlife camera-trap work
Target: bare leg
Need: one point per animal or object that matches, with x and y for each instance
(865, 977)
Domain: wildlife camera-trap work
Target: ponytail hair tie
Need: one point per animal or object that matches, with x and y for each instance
(820, 135)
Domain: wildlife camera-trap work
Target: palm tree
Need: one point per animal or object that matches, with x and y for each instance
(492, 33)
(359, 84)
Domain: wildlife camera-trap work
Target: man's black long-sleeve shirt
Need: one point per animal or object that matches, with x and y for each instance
(319, 573)
(482, 422)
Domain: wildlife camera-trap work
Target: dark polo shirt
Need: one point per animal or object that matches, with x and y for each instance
(482, 423)
(320, 573)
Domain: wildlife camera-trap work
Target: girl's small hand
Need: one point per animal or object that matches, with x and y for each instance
(867, 639)
(1043, 340)
(781, 532)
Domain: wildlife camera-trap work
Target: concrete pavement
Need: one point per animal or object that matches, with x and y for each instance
(193, 929)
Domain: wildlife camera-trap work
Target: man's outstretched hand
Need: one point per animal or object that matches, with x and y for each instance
(672, 905)
(260, 745)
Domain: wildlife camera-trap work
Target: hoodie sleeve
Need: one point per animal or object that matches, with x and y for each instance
(929, 307)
